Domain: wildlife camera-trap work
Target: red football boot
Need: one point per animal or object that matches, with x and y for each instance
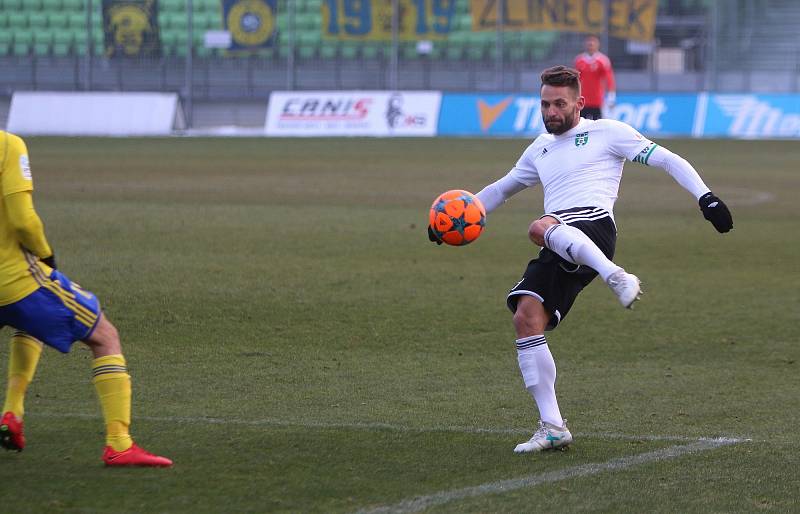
(11, 436)
(134, 456)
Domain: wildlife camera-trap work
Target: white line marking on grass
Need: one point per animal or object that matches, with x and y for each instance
(420, 503)
(377, 426)
(752, 197)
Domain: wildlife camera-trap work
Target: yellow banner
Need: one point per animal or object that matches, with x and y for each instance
(371, 20)
(131, 28)
(626, 19)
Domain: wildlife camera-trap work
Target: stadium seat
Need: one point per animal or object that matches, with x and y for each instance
(307, 21)
(50, 6)
(17, 20)
(542, 43)
(456, 43)
(283, 23)
(515, 51)
(37, 20)
(32, 5)
(461, 22)
(42, 40)
(73, 5)
(482, 45)
(57, 19)
(11, 5)
(80, 42)
(312, 5)
(198, 47)
(369, 50)
(309, 37)
(484, 38)
(168, 40)
(23, 41)
(5, 42)
(475, 51)
(76, 20)
(207, 21)
(329, 50)
(99, 41)
(173, 20)
(207, 5)
(173, 5)
(454, 51)
(308, 45)
(174, 42)
(348, 49)
(62, 42)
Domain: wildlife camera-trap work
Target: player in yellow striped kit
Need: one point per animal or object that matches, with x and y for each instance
(44, 306)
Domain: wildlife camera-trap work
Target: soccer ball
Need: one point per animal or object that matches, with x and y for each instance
(457, 217)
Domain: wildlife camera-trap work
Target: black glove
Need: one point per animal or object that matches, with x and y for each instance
(50, 261)
(432, 236)
(715, 211)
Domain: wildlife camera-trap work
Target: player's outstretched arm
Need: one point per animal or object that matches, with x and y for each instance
(495, 194)
(28, 226)
(713, 209)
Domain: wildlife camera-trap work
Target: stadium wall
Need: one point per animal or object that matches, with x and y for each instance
(94, 113)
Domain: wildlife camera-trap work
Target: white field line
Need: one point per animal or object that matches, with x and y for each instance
(378, 426)
(748, 197)
(420, 503)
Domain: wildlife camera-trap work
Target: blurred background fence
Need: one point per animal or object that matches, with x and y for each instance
(225, 53)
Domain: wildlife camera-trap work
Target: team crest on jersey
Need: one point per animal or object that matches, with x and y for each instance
(581, 139)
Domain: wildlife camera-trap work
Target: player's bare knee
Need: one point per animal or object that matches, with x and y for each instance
(535, 235)
(522, 323)
(530, 318)
(538, 228)
(104, 339)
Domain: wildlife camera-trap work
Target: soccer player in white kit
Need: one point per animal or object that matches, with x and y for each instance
(579, 166)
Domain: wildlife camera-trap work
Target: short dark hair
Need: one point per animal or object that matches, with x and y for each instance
(561, 76)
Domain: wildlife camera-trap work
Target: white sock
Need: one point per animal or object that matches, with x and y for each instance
(539, 373)
(576, 247)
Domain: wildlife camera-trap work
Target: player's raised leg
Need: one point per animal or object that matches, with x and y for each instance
(538, 370)
(576, 247)
(113, 385)
(23, 357)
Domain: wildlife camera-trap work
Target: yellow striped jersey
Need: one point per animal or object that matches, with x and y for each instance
(16, 272)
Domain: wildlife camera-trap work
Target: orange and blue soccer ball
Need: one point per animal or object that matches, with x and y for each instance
(457, 217)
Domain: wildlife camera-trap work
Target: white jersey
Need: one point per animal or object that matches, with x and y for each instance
(583, 166)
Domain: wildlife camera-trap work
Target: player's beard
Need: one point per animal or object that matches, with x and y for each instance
(559, 127)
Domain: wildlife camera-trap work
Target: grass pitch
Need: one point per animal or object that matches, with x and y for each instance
(297, 345)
